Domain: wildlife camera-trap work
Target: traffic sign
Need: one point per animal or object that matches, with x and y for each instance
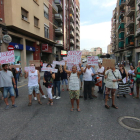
(10, 48)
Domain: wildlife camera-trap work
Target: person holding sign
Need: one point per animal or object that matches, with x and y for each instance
(112, 77)
(6, 82)
(74, 85)
(48, 82)
(33, 83)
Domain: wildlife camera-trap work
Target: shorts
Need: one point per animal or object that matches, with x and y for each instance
(6, 90)
(66, 82)
(33, 88)
(74, 94)
(107, 91)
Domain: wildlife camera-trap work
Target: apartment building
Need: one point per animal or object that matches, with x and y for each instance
(123, 40)
(96, 50)
(40, 29)
(109, 49)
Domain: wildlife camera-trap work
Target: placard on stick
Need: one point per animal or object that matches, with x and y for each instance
(108, 63)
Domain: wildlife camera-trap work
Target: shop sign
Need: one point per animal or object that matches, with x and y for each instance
(46, 48)
(7, 39)
(29, 48)
(10, 48)
(17, 46)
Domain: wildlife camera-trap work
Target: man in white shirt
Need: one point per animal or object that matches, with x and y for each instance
(100, 72)
(87, 81)
(112, 77)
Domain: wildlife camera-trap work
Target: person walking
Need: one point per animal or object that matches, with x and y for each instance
(123, 87)
(87, 82)
(48, 82)
(137, 73)
(74, 85)
(131, 74)
(56, 82)
(112, 77)
(100, 73)
(33, 84)
(18, 71)
(6, 82)
(64, 78)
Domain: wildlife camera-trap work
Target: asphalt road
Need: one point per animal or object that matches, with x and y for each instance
(56, 122)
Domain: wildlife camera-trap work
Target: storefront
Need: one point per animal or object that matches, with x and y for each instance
(46, 53)
(29, 54)
(17, 50)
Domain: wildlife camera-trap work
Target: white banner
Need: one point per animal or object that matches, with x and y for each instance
(92, 60)
(31, 68)
(49, 69)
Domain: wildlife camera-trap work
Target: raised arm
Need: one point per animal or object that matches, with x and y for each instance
(68, 72)
(26, 74)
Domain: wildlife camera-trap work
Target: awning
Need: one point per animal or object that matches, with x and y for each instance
(121, 26)
(121, 44)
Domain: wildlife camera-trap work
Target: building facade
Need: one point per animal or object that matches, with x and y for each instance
(109, 49)
(40, 29)
(96, 50)
(124, 33)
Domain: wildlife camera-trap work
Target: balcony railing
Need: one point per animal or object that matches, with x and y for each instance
(59, 31)
(129, 22)
(58, 17)
(71, 25)
(54, 6)
(71, 41)
(59, 43)
(72, 10)
(78, 44)
(59, 4)
(123, 2)
(130, 11)
(72, 33)
(138, 31)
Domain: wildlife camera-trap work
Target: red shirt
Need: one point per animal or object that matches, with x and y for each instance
(41, 63)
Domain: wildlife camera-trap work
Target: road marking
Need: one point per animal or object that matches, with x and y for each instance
(22, 86)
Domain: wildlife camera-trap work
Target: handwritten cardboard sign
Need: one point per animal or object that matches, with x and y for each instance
(31, 69)
(49, 69)
(7, 57)
(74, 57)
(108, 63)
(92, 60)
(36, 62)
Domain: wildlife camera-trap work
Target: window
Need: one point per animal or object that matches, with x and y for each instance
(24, 14)
(46, 12)
(36, 21)
(46, 31)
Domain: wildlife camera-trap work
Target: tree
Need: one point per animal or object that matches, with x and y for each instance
(99, 55)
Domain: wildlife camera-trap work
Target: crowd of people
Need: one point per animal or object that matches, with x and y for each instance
(76, 81)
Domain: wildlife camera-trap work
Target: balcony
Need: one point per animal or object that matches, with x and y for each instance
(121, 27)
(55, 8)
(130, 2)
(130, 23)
(78, 44)
(72, 41)
(130, 12)
(71, 25)
(59, 43)
(59, 31)
(58, 17)
(59, 5)
(129, 42)
(71, 33)
(122, 3)
(77, 38)
(138, 31)
(138, 15)
(71, 18)
(77, 27)
(72, 2)
(71, 10)
(77, 32)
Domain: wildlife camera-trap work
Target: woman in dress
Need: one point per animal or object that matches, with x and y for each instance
(48, 82)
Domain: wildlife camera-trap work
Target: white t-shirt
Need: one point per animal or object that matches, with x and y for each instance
(132, 72)
(88, 75)
(17, 68)
(101, 70)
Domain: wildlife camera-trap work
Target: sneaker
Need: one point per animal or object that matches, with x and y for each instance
(43, 96)
(54, 97)
(35, 98)
(13, 106)
(58, 98)
(7, 107)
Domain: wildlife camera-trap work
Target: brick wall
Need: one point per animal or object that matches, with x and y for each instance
(2, 10)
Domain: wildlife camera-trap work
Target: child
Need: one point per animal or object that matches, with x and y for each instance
(74, 88)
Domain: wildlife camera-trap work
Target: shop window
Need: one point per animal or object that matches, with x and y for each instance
(46, 12)
(24, 14)
(36, 21)
(46, 31)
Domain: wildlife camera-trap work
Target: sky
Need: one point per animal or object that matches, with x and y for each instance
(95, 20)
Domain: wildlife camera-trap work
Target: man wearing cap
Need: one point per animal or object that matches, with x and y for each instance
(137, 72)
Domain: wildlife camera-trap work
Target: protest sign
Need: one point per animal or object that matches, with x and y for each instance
(65, 58)
(31, 68)
(36, 62)
(108, 63)
(7, 57)
(53, 65)
(92, 60)
(74, 57)
(49, 69)
(59, 63)
(45, 64)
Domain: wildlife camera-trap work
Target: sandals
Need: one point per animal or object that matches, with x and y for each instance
(114, 106)
(51, 103)
(107, 107)
(39, 102)
(71, 109)
(78, 109)
(29, 104)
